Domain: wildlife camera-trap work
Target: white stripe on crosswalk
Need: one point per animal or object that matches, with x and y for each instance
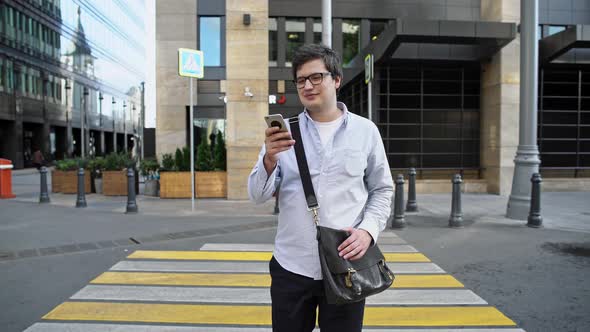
(92, 327)
(246, 267)
(262, 295)
(269, 247)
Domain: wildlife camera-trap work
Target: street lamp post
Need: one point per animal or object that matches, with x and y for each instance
(133, 128)
(142, 119)
(100, 122)
(82, 118)
(527, 154)
(114, 127)
(68, 121)
(125, 126)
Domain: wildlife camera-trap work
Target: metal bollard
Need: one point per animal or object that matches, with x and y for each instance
(81, 199)
(398, 220)
(131, 204)
(456, 219)
(535, 220)
(411, 205)
(44, 195)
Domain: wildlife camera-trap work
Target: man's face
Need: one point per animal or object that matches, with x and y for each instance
(317, 95)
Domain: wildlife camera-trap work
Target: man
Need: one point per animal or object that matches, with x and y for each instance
(353, 185)
(38, 158)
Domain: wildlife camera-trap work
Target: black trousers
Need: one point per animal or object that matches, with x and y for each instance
(295, 299)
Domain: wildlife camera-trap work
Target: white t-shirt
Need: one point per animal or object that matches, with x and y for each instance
(328, 129)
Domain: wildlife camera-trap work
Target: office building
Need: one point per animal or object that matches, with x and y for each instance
(445, 95)
(69, 67)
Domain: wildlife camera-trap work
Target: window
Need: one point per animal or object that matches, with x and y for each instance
(350, 40)
(376, 27)
(272, 42)
(425, 113)
(317, 31)
(2, 73)
(295, 31)
(210, 40)
(9, 75)
(553, 29)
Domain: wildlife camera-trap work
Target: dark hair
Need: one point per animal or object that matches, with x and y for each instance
(308, 52)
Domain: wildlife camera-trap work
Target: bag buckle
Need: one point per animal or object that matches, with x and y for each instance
(316, 217)
(384, 270)
(348, 277)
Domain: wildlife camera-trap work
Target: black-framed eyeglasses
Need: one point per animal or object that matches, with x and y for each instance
(314, 79)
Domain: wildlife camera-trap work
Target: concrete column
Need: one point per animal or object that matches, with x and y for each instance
(46, 141)
(17, 129)
(102, 143)
(500, 100)
(247, 66)
(172, 90)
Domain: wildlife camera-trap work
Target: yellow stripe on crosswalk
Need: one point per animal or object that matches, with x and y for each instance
(261, 315)
(183, 279)
(250, 280)
(249, 256)
(426, 281)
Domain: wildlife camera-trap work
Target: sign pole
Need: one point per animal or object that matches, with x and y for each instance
(369, 81)
(369, 104)
(190, 63)
(192, 143)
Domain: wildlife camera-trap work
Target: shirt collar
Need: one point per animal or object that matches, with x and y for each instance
(341, 106)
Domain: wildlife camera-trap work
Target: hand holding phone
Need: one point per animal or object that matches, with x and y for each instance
(278, 139)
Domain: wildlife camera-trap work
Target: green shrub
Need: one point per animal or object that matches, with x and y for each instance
(96, 166)
(117, 161)
(204, 162)
(219, 154)
(167, 162)
(67, 165)
(178, 160)
(186, 159)
(149, 168)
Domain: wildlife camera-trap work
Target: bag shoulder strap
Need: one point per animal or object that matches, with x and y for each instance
(312, 202)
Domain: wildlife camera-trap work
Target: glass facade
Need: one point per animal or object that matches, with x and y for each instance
(564, 121)
(54, 50)
(351, 40)
(210, 39)
(295, 34)
(272, 42)
(428, 115)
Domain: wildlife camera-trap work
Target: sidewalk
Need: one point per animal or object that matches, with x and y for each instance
(560, 210)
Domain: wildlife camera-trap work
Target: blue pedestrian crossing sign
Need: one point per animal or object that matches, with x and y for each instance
(190, 63)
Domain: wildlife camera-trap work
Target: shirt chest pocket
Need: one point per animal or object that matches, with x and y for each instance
(351, 162)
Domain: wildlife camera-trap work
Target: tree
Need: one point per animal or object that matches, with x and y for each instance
(204, 156)
(219, 154)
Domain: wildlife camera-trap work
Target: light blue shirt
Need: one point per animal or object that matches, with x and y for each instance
(351, 179)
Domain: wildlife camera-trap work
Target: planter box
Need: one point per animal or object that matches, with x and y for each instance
(175, 185)
(114, 183)
(151, 188)
(98, 186)
(56, 176)
(211, 184)
(68, 182)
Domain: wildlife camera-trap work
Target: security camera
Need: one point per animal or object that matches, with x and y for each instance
(247, 92)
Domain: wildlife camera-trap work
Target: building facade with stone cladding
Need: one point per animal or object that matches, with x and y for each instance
(443, 106)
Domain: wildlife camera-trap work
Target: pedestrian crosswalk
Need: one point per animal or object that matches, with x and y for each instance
(225, 287)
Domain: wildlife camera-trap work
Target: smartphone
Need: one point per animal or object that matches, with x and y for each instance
(276, 120)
